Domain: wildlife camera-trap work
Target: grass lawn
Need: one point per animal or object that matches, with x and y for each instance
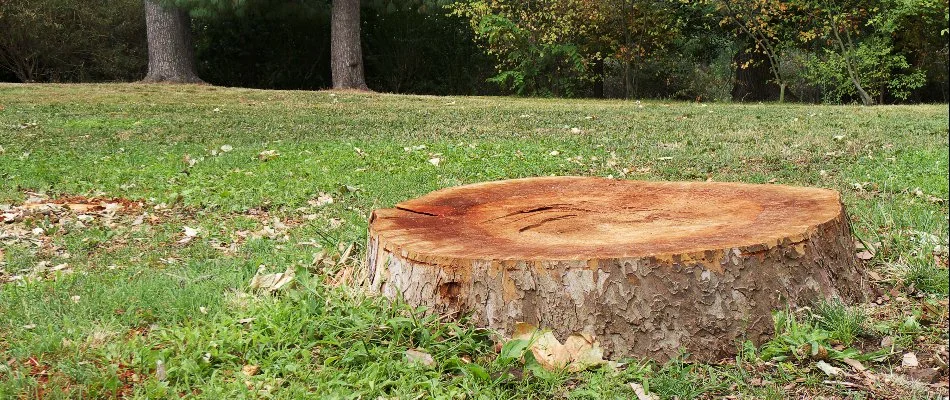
(126, 302)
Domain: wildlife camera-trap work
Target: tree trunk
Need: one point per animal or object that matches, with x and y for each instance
(599, 82)
(650, 268)
(346, 56)
(171, 55)
(752, 77)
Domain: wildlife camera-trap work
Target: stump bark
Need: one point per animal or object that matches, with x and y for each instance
(650, 268)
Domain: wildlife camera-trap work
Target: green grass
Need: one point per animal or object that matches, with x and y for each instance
(144, 297)
(843, 323)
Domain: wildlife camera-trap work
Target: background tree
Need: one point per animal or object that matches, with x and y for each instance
(857, 57)
(766, 24)
(896, 49)
(171, 54)
(346, 54)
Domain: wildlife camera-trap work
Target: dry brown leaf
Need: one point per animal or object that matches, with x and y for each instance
(583, 351)
(909, 360)
(854, 364)
(828, 369)
(250, 370)
(579, 351)
(189, 234)
(641, 393)
(271, 282)
(420, 357)
(267, 155)
(321, 200)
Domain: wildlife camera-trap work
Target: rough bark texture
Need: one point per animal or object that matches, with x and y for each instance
(346, 56)
(648, 267)
(171, 55)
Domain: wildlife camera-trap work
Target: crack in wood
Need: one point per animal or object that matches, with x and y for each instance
(547, 208)
(398, 207)
(544, 221)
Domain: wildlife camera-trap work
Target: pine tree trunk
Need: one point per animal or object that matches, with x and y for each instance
(171, 55)
(649, 268)
(346, 56)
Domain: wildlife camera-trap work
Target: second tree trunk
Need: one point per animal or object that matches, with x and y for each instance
(171, 57)
(346, 57)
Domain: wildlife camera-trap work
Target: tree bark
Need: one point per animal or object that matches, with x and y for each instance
(346, 55)
(752, 77)
(650, 268)
(171, 55)
(866, 99)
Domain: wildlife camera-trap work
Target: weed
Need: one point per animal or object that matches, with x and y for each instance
(843, 323)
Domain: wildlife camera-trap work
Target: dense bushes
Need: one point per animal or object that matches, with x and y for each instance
(72, 40)
(571, 48)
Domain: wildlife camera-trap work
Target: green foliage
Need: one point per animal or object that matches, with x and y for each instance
(417, 47)
(927, 277)
(843, 323)
(64, 40)
(535, 52)
(801, 340)
(881, 71)
(266, 44)
(678, 379)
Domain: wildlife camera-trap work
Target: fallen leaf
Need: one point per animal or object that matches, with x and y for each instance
(189, 234)
(81, 208)
(854, 364)
(226, 148)
(267, 155)
(160, 373)
(61, 267)
(321, 200)
(910, 360)
(828, 369)
(887, 341)
(420, 357)
(865, 255)
(271, 282)
(579, 351)
(575, 130)
(250, 370)
(641, 393)
(554, 152)
(435, 161)
(583, 351)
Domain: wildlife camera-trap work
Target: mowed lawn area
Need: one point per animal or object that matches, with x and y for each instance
(135, 217)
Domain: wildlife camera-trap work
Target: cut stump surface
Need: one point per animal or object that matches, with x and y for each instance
(650, 268)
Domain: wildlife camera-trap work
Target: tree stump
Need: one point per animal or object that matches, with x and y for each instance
(649, 268)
